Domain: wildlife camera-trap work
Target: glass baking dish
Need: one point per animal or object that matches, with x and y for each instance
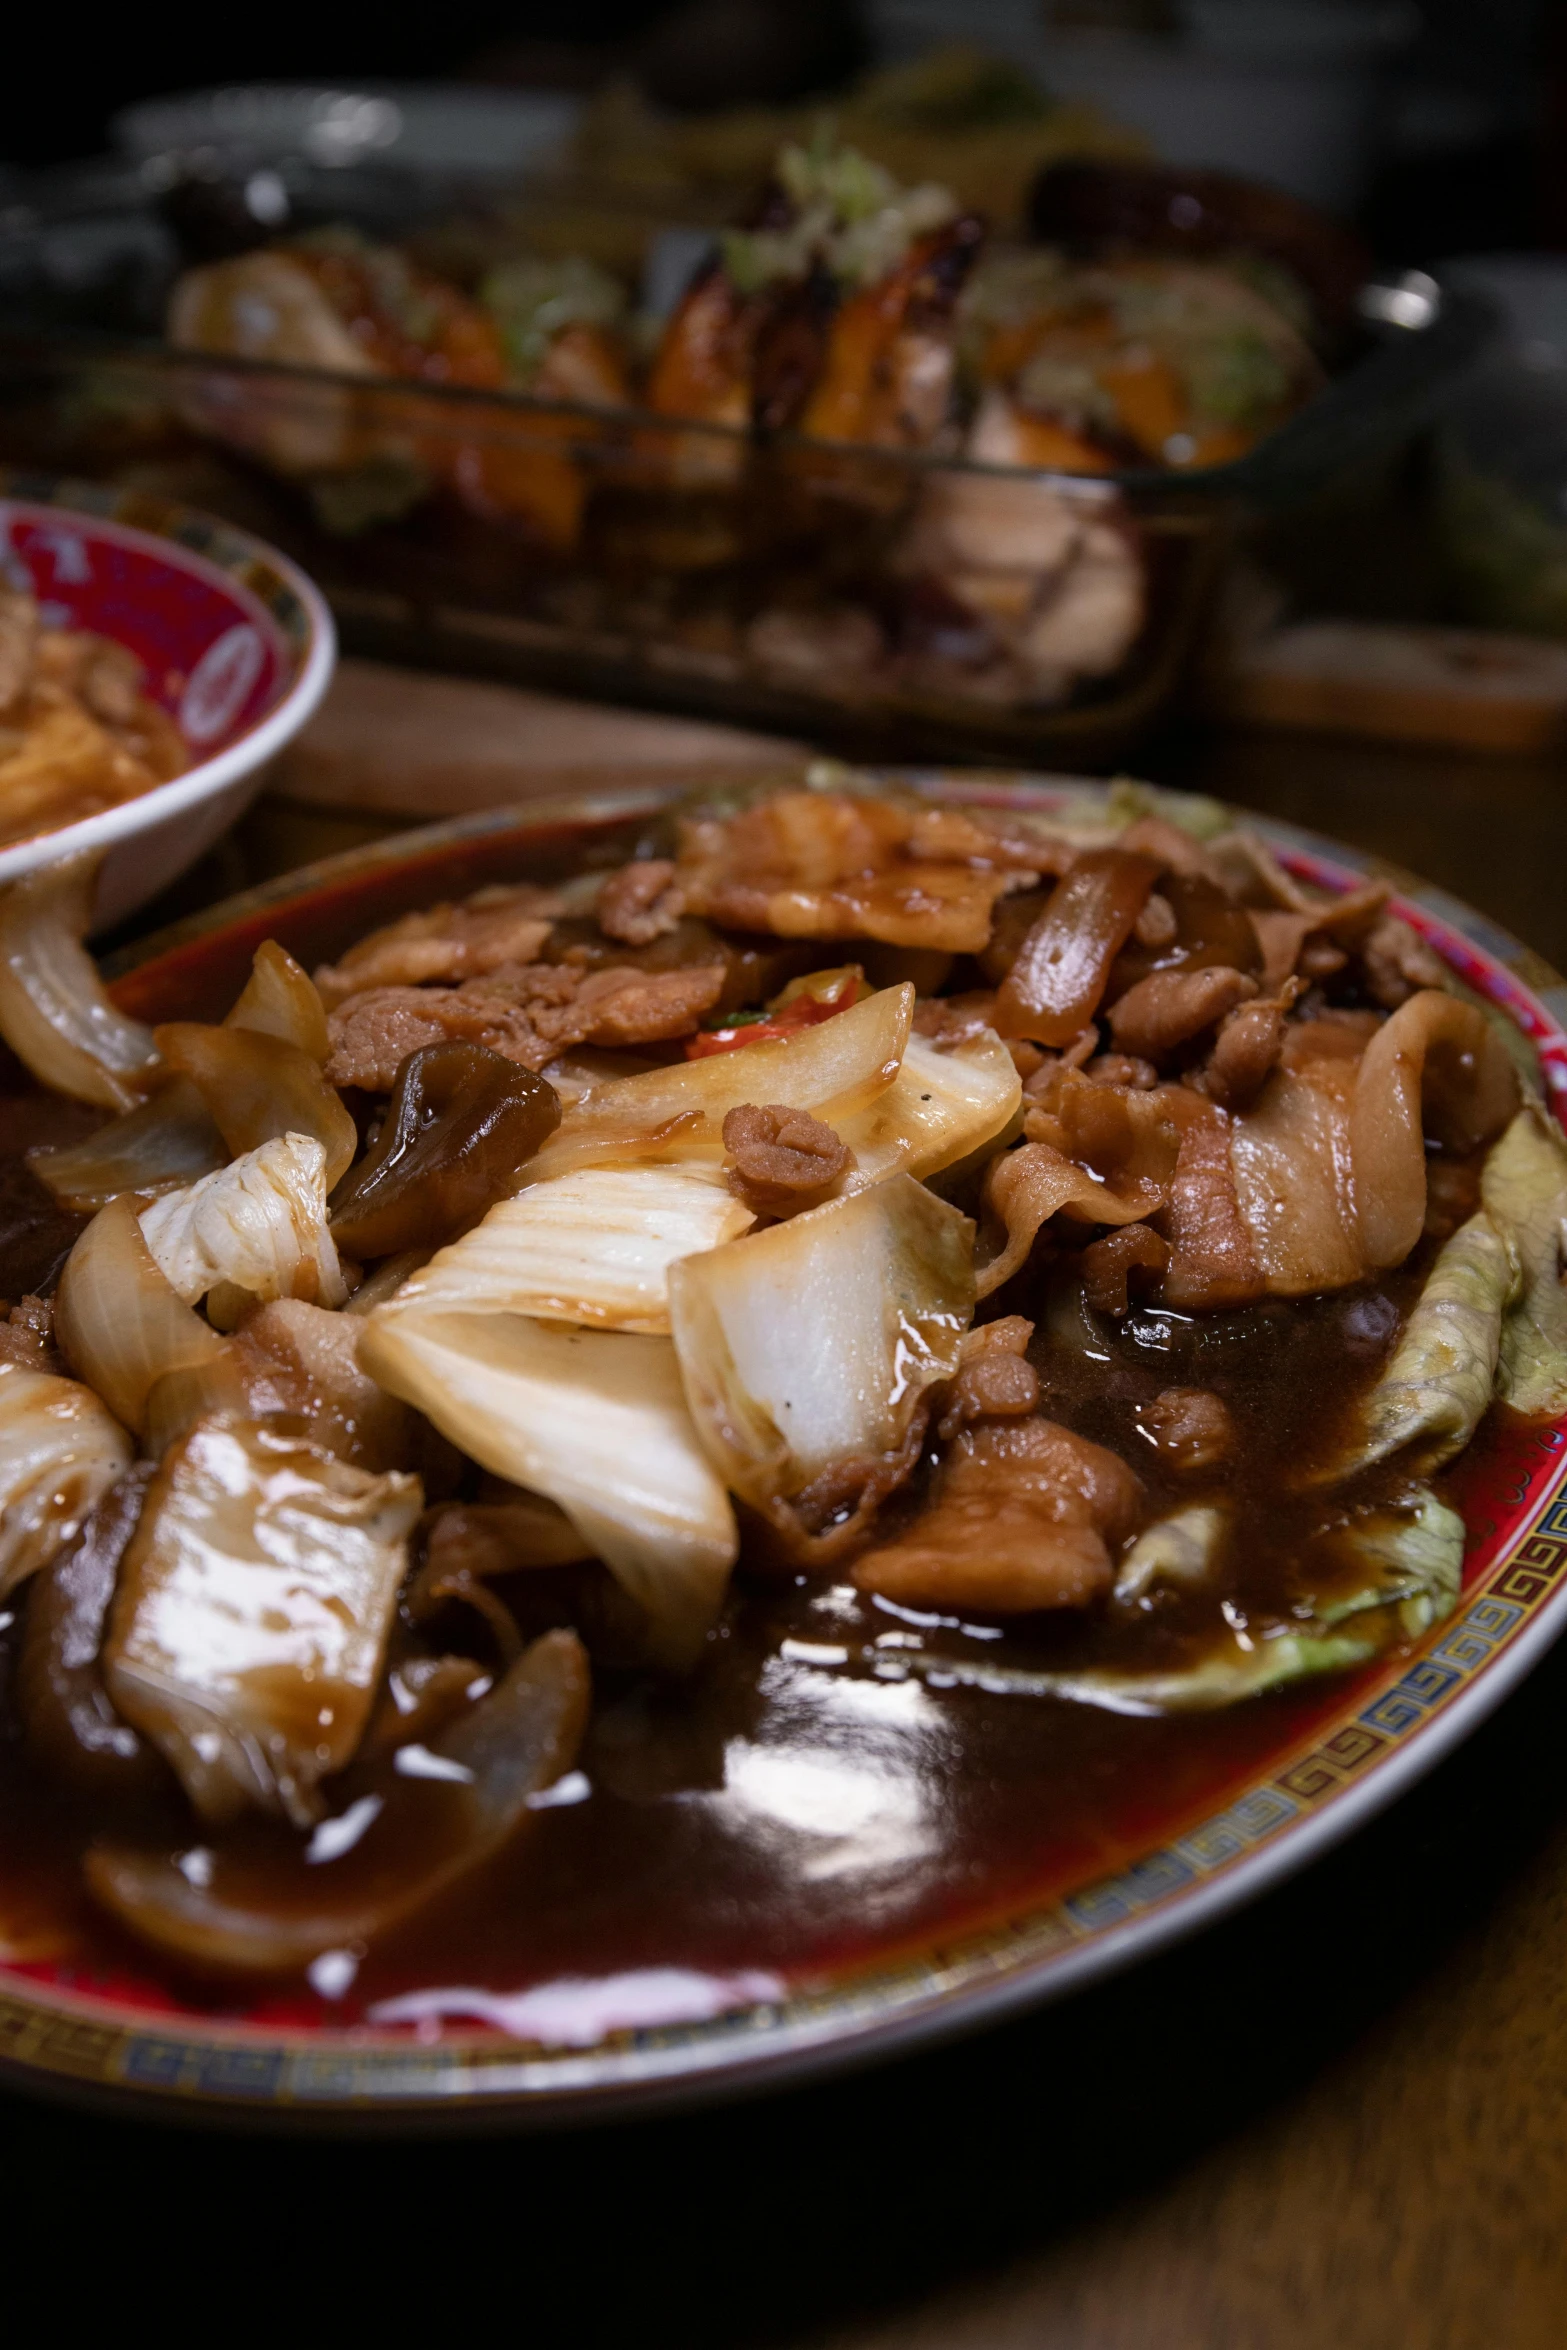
(883, 602)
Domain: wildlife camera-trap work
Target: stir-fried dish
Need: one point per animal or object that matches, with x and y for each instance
(77, 732)
(689, 1390)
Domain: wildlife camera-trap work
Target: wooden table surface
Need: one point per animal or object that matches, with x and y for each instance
(1338, 2120)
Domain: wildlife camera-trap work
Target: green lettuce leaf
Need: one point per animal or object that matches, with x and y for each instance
(1443, 1373)
(1524, 1189)
(1411, 1557)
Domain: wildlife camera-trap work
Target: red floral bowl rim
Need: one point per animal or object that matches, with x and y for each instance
(1390, 1726)
(245, 566)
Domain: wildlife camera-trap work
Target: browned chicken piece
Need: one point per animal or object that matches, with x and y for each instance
(1121, 1069)
(1245, 1052)
(1398, 963)
(704, 371)
(1080, 1054)
(1169, 1008)
(953, 1020)
(1326, 932)
(995, 1380)
(641, 902)
(1108, 1266)
(27, 1335)
(495, 927)
(1189, 1427)
(1128, 1137)
(528, 1016)
(1213, 1263)
(1024, 1516)
(782, 1160)
(822, 865)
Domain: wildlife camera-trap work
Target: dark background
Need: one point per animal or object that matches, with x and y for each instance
(1477, 151)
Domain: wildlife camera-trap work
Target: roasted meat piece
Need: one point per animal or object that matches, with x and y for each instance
(1024, 1516)
(528, 1015)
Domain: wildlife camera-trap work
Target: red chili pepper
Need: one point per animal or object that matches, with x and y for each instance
(802, 1011)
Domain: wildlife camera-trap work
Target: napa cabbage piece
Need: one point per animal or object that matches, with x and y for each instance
(596, 1420)
(1524, 1191)
(594, 1247)
(833, 1070)
(60, 1450)
(940, 1109)
(252, 1612)
(807, 1347)
(54, 1011)
(1435, 1391)
(257, 1227)
(1411, 1559)
(423, 1836)
(1178, 1553)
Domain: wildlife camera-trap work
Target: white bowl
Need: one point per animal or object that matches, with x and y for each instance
(237, 644)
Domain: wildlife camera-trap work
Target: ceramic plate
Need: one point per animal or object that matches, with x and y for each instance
(898, 1961)
(233, 640)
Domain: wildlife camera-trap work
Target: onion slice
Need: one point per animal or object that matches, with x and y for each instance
(167, 1141)
(425, 1835)
(1437, 1066)
(280, 999)
(258, 1087)
(118, 1322)
(54, 1012)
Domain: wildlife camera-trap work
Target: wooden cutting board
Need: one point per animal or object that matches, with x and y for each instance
(403, 744)
(1470, 688)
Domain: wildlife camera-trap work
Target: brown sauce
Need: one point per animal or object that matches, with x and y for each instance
(800, 1804)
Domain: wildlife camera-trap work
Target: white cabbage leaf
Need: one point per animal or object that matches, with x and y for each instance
(54, 1011)
(258, 1225)
(593, 1247)
(939, 1109)
(252, 1614)
(808, 1345)
(1435, 1391)
(597, 1421)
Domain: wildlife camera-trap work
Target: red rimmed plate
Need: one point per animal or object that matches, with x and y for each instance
(886, 1914)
